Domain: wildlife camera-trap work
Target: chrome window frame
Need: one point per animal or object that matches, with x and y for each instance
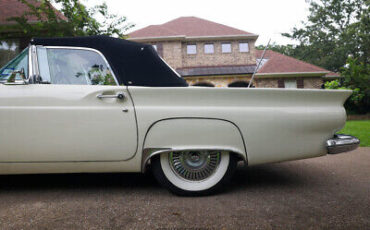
(33, 65)
(30, 67)
(34, 59)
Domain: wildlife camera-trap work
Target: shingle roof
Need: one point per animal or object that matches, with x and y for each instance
(279, 63)
(14, 8)
(216, 70)
(188, 26)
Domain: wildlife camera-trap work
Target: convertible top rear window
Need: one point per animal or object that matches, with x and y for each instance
(134, 64)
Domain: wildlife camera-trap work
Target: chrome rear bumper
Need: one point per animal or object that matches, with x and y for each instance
(341, 143)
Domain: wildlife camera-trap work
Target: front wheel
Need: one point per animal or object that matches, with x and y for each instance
(194, 172)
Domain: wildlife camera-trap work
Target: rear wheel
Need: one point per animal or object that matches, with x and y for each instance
(194, 172)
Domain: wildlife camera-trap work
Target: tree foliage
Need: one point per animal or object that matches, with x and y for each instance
(289, 50)
(334, 30)
(336, 36)
(77, 20)
(356, 78)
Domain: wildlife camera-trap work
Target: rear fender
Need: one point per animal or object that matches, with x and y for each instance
(178, 134)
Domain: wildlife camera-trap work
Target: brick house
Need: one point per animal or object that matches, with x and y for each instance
(13, 41)
(281, 71)
(206, 53)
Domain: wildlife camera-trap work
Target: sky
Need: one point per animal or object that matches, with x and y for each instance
(267, 18)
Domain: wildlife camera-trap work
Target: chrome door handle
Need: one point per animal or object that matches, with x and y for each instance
(118, 96)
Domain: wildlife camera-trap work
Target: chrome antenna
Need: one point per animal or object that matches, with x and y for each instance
(259, 63)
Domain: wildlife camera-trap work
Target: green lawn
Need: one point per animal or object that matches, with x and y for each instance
(359, 129)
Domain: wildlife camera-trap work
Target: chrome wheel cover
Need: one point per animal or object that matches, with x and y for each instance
(194, 165)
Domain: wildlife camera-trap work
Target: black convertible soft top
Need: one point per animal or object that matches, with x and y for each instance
(134, 64)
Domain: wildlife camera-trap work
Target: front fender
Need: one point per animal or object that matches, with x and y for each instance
(192, 134)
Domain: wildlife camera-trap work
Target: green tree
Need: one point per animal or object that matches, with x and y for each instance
(357, 78)
(336, 36)
(334, 30)
(74, 19)
(288, 49)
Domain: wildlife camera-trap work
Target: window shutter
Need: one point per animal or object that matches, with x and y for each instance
(281, 83)
(160, 49)
(300, 83)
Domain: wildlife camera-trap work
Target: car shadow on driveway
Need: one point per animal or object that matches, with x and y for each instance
(77, 181)
(245, 177)
(278, 175)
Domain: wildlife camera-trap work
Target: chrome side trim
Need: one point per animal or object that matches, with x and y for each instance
(150, 152)
(84, 48)
(342, 143)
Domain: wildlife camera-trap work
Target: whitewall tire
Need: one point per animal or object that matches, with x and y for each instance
(194, 172)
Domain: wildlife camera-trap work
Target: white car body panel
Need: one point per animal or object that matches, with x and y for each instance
(65, 123)
(276, 124)
(40, 123)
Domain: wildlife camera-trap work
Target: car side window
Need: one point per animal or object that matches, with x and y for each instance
(73, 67)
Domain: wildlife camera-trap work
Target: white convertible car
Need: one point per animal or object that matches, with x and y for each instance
(100, 104)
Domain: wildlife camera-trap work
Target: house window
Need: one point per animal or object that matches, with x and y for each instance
(191, 49)
(290, 84)
(155, 47)
(209, 49)
(226, 48)
(244, 47)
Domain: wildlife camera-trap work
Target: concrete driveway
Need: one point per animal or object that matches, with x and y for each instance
(331, 192)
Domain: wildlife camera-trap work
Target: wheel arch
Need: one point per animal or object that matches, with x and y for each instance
(195, 134)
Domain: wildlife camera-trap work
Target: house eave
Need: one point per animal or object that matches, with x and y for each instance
(194, 38)
(151, 39)
(292, 74)
(222, 37)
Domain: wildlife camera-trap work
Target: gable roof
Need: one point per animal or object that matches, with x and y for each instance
(188, 27)
(15, 8)
(277, 63)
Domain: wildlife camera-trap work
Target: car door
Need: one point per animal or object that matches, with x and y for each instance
(76, 112)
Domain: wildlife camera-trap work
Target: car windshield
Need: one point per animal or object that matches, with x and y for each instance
(19, 62)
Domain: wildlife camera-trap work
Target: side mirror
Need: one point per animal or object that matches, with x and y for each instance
(12, 78)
